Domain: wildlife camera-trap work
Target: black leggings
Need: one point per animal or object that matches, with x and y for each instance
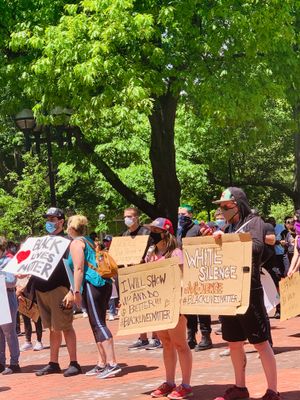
(28, 328)
(96, 300)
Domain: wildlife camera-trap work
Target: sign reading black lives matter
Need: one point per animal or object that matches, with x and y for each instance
(216, 274)
(38, 256)
(149, 296)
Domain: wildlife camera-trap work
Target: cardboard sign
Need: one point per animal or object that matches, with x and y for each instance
(128, 250)
(5, 317)
(38, 256)
(289, 289)
(216, 274)
(31, 310)
(149, 296)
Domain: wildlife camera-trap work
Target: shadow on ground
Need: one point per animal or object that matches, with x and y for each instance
(4, 388)
(210, 392)
(285, 349)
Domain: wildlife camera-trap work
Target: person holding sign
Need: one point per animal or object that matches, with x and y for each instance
(174, 340)
(8, 332)
(253, 325)
(96, 291)
(55, 302)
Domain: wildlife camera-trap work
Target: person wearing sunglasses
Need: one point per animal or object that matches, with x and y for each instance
(253, 325)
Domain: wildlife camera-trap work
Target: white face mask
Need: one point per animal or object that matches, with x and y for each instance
(129, 221)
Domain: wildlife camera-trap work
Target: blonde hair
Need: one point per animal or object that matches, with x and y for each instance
(79, 223)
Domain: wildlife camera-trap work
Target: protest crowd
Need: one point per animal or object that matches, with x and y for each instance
(77, 286)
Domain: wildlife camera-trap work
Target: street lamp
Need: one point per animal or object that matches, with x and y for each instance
(25, 121)
(101, 218)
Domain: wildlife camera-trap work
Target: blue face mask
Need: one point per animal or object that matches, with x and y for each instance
(220, 223)
(183, 220)
(50, 227)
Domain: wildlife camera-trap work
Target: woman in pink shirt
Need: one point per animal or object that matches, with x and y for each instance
(174, 340)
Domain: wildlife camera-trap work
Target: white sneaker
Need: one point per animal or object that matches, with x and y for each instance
(38, 346)
(26, 346)
(85, 314)
(111, 317)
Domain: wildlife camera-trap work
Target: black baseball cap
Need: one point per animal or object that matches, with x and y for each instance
(54, 212)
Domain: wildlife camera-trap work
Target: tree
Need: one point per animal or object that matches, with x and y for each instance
(21, 214)
(110, 61)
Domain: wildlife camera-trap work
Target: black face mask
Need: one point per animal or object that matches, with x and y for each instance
(183, 220)
(156, 237)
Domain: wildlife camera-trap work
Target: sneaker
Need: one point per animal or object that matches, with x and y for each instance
(139, 344)
(11, 369)
(109, 370)
(85, 314)
(163, 390)
(181, 392)
(218, 331)
(95, 371)
(192, 344)
(38, 346)
(51, 368)
(73, 369)
(111, 317)
(277, 315)
(235, 393)
(271, 395)
(153, 344)
(224, 353)
(205, 343)
(26, 346)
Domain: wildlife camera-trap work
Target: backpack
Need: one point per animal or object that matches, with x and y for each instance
(105, 264)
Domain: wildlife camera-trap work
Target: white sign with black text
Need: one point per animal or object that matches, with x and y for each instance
(38, 256)
(5, 317)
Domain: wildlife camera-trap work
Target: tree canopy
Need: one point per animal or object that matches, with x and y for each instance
(170, 99)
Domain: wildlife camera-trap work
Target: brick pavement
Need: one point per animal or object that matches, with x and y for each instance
(143, 370)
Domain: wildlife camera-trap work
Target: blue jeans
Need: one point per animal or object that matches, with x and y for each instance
(112, 307)
(8, 333)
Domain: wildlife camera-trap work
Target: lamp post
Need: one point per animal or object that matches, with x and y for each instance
(26, 123)
(101, 219)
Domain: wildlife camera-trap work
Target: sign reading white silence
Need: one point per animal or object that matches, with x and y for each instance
(38, 256)
(5, 317)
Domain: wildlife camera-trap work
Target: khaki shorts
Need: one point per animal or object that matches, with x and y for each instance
(53, 317)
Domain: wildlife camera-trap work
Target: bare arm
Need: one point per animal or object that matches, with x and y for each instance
(77, 254)
(295, 263)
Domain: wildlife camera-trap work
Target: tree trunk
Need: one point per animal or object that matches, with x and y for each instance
(163, 158)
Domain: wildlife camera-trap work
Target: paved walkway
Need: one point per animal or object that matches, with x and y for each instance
(143, 370)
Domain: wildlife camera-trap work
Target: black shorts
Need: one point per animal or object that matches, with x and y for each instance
(253, 325)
